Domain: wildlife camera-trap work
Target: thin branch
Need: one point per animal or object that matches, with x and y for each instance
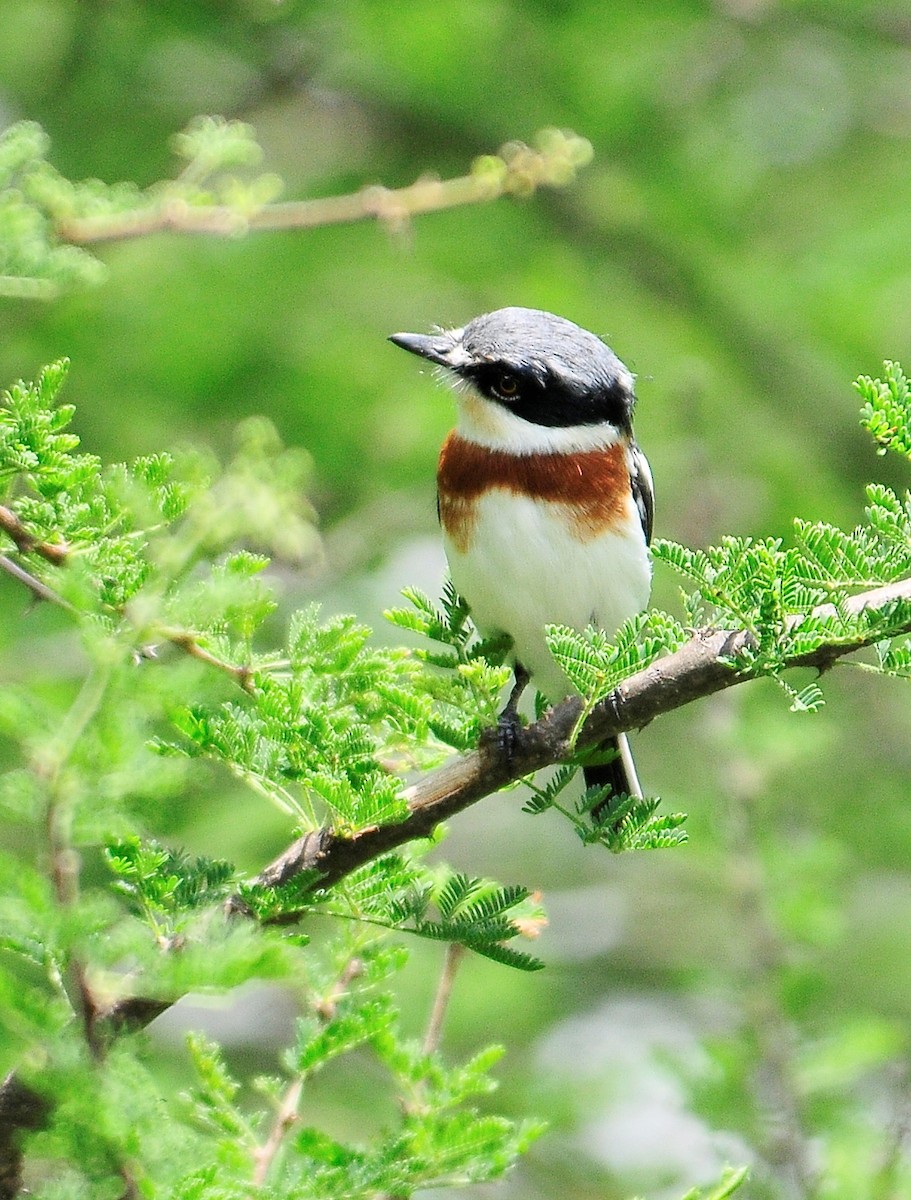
(286, 1116)
(38, 589)
(54, 552)
(455, 952)
(183, 640)
(327, 1006)
(887, 1176)
(785, 1141)
(21, 1108)
(284, 1119)
(518, 170)
(58, 553)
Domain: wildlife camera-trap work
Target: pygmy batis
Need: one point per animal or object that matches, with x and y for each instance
(545, 500)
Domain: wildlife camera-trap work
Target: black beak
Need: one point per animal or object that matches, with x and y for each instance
(436, 347)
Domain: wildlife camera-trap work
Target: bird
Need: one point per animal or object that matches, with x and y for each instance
(545, 500)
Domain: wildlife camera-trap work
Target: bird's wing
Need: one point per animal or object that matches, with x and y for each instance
(643, 489)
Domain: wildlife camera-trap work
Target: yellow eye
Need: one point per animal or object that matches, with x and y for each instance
(506, 386)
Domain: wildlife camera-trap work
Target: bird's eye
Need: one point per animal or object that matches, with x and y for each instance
(506, 386)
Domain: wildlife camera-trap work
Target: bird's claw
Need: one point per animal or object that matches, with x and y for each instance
(509, 726)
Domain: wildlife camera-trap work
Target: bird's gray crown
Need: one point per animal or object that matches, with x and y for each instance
(541, 367)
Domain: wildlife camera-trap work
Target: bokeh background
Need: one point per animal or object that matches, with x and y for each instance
(742, 239)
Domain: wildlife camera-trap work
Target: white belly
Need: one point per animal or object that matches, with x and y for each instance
(524, 569)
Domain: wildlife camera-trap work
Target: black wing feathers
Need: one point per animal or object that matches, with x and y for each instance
(643, 489)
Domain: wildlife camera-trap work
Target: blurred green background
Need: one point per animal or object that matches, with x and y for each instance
(742, 241)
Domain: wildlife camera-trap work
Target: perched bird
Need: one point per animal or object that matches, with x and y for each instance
(544, 497)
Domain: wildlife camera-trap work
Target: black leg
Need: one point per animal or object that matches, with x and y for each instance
(508, 725)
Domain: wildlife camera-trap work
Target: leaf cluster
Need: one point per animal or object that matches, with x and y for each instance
(622, 822)
(886, 413)
(437, 1139)
(225, 1136)
(36, 201)
(793, 600)
(471, 675)
(134, 536)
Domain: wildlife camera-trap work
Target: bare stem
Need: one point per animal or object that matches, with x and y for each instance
(518, 170)
(786, 1144)
(284, 1119)
(38, 589)
(286, 1116)
(63, 858)
(454, 955)
(183, 640)
(25, 542)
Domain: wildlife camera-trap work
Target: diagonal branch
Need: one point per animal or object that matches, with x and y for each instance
(700, 668)
(58, 553)
(10, 524)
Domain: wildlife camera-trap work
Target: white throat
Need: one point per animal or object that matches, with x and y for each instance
(492, 425)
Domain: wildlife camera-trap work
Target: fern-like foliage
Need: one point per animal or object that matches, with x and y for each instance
(731, 1181)
(623, 823)
(792, 599)
(596, 664)
(470, 676)
(314, 733)
(886, 413)
(166, 886)
(395, 892)
(627, 823)
(440, 1138)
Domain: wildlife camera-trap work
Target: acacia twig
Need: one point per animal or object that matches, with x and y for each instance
(785, 1141)
(455, 952)
(287, 1114)
(517, 170)
(186, 641)
(58, 553)
(26, 542)
(284, 1119)
(38, 589)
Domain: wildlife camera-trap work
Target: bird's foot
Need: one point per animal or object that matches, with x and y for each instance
(509, 726)
(509, 723)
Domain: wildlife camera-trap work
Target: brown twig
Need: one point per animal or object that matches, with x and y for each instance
(26, 543)
(21, 1108)
(58, 553)
(286, 1116)
(284, 1119)
(183, 640)
(455, 952)
(327, 1006)
(38, 589)
(519, 170)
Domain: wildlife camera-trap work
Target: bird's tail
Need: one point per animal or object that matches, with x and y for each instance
(618, 772)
